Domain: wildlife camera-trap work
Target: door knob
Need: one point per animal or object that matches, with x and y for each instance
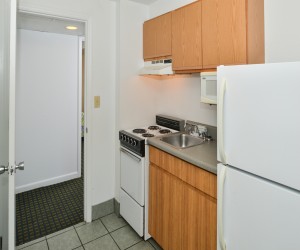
(20, 166)
(3, 169)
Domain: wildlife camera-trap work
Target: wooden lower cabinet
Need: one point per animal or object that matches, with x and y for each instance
(165, 208)
(180, 215)
(199, 220)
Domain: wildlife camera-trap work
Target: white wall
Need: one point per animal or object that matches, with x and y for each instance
(162, 6)
(46, 108)
(282, 36)
(101, 62)
(135, 96)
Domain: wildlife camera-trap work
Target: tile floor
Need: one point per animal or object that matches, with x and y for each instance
(107, 233)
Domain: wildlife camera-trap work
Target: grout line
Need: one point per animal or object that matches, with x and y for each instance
(119, 228)
(95, 239)
(111, 236)
(47, 244)
(80, 225)
(134, 244)
(70, 228)
(115, 241)
(78, 236)
(30, 244)
(153, 245)
(106, 215)
(103, 216)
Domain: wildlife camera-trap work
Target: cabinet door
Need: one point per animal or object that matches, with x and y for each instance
(199, 220)
(186, 37)
(149, 39)
(210, 36)
(165, 208)
(224, 30)
(232, 29)
(164, 35)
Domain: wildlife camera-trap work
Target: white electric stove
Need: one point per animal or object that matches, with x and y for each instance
(135, 170)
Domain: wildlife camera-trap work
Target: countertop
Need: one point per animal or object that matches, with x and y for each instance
(203, 156)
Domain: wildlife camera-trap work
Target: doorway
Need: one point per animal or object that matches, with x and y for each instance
(49, 108)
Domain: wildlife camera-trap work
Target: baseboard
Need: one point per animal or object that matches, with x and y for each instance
(47, 182)
(117, 207)
(103, 209)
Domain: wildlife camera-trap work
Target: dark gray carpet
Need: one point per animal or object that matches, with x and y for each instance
(46, 210)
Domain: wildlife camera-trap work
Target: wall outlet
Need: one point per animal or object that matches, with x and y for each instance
(96, 102)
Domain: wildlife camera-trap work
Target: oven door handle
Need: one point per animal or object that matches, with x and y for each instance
(130, 155)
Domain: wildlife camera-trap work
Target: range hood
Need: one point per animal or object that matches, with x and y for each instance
(157, 67)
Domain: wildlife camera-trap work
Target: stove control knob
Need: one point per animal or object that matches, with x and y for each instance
(121, 137)
(134, 143)
(131, 141)
(128, 139)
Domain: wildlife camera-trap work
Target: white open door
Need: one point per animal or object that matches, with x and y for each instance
(7, 123)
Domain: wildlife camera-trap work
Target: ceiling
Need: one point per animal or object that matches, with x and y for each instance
(147, 2)
(49, 24)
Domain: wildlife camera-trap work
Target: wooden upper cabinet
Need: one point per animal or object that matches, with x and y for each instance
(210, 41)
(157, 37)
(186, 37)
(149, 39)
(255, 32)
(232, 32)
(164, 35)
(208, 33)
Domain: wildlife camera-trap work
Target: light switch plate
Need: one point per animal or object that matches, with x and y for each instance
(96, 102)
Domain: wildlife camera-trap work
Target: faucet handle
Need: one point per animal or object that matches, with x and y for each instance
(202, 131)
(188, 128)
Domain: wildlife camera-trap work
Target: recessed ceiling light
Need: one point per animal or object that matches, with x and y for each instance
(71, 27)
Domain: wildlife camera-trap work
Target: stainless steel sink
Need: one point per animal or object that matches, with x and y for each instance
(180, 140)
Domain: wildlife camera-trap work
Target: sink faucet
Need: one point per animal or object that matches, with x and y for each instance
(196, 130)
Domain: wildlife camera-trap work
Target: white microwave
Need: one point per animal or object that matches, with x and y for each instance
(209, 87)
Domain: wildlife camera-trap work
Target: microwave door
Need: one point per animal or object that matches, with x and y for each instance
(209, 88)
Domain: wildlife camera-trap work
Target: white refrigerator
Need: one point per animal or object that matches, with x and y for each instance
(259, 151)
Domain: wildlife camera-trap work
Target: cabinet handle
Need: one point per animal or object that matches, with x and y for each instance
(221, 121)
(221, 181)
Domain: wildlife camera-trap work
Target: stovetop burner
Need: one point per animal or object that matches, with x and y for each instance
(154, 127)
(148, 135)
(165, 131)
(139, 131)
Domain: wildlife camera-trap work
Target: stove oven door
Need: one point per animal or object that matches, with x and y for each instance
(132, 195)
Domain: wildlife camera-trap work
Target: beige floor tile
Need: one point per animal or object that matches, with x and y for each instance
(103, 243)
(125, 237)
(65, 241)
(91, 231)
(113, 222)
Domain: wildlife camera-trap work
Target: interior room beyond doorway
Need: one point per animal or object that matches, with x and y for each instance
(49, 120)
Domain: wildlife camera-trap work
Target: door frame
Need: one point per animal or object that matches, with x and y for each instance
(87, 95)
(12, 126)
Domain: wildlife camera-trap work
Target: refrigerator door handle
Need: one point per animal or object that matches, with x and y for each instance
(221, 181)
(221, 121)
